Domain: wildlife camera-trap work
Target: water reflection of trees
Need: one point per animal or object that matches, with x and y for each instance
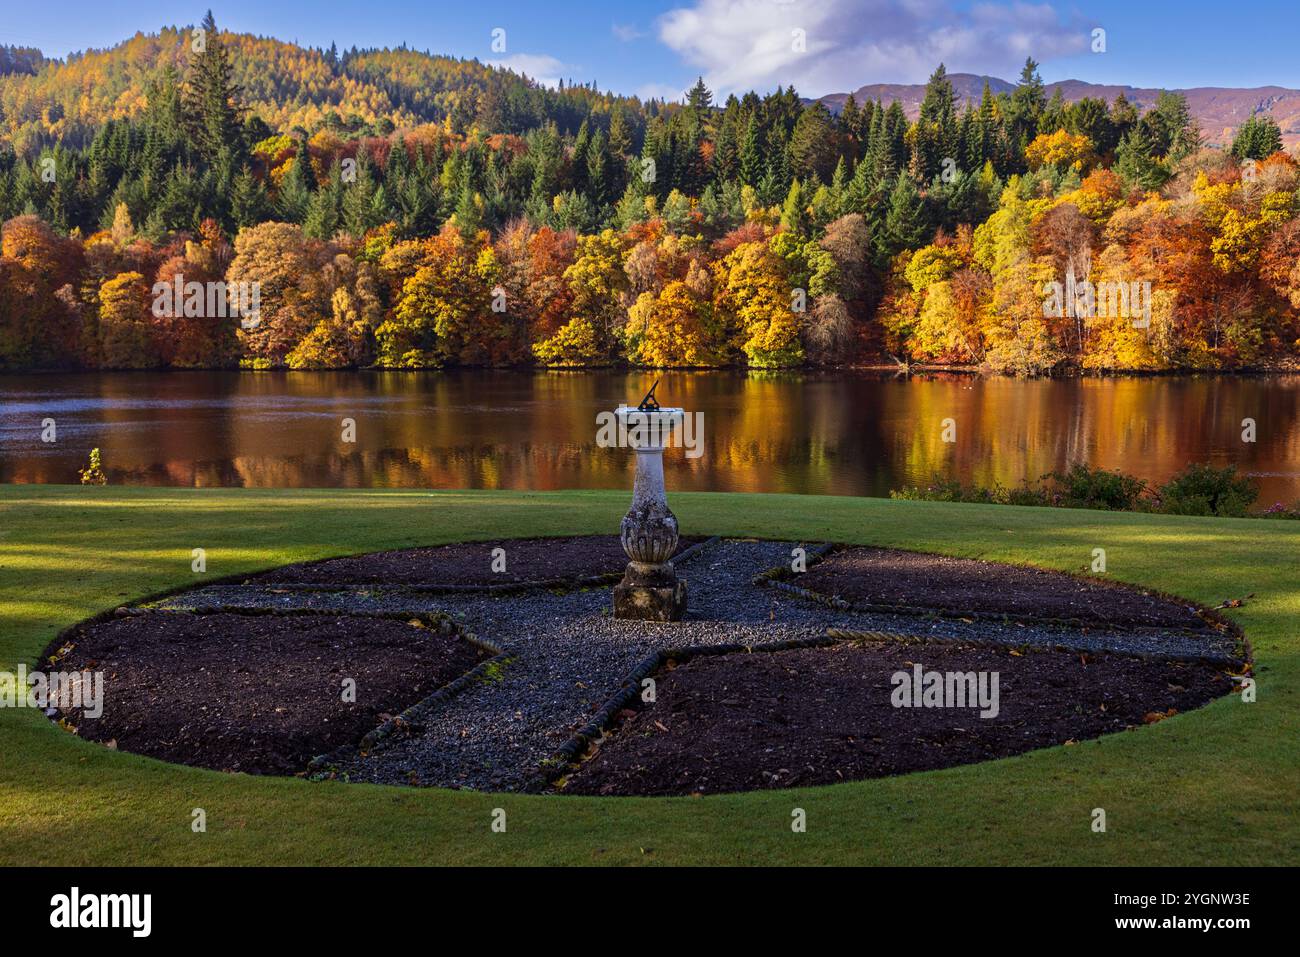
(841, 434)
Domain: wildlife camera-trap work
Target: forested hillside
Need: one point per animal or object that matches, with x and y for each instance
(289, 88)
(410, 211)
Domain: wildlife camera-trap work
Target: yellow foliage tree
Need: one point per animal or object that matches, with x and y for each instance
(932, 264)
(674, 328)
(575, 344)
(1018, 335)
(125, 340)
(1061, 149)
(754, 303)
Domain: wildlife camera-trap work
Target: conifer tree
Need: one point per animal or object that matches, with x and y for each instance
(794, 214)
(905, 225)
(1258, 138)
(1134, 162)
(249, 203)
(212, 113)
(751, 155)
(295, 195)
(1026, 105)
(323, 219)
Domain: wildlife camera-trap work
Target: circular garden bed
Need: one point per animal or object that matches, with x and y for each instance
(496, 665)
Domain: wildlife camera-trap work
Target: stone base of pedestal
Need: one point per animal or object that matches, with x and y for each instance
(650, 602)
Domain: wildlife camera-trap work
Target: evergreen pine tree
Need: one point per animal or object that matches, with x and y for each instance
(620, 137)
(213, 116)
(295, 194)
(580, 144)
(726, 148)
(699, 99)
(249, 203)
(794, 214)
(1135, 164)
(751, 155)
(597, 160)
(1026, 106)
(363, 205)
(322, 219)
(905, 221)
(1258, 138)
(1053, 116)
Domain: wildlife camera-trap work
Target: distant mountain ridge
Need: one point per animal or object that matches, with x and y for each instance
(1220, 110)
(44, 101)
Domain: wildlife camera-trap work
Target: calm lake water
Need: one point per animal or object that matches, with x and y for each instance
(842, 433)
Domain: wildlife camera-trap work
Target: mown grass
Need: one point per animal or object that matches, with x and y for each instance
(1215, 786)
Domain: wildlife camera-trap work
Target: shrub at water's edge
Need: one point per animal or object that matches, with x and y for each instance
(1200, 489)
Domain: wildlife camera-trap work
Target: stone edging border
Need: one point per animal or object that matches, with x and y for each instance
(422, 707)
(773, 575)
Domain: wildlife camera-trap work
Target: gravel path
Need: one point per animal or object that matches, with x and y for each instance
(568, 656)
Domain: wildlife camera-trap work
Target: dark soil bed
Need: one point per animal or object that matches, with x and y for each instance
(255, 693)
(913, 580)
(741, 722)
(469, 563)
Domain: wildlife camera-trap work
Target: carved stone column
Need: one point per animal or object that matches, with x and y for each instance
(650, 590)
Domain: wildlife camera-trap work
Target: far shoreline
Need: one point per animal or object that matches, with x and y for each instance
(874, 368)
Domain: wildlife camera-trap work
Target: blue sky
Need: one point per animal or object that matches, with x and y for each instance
(650, 47)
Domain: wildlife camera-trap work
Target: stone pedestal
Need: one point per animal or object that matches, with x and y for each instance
(650, 589)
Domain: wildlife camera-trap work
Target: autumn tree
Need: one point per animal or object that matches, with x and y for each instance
(275, 256)
(532, 264)
(345, 335)
(39, 322)
(1061, 149)
(675, 326)
(596, 280)
(1019, 337)
(753, 304)
(450, 307)
(126, 340)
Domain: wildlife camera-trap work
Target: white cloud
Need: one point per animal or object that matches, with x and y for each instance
(744, 44)
(627, 32)
(542, 67)
(661, 91)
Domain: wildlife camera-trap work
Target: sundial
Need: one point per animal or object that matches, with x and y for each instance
(650, 589)
(649, 403)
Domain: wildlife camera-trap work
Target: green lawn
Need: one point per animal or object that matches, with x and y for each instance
(1216, 786)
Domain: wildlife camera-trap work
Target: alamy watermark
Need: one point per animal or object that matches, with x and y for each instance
(1084, 299)
(919, 688)
(635, 429)
(210, 300)
(64, 690)
(133, 912)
